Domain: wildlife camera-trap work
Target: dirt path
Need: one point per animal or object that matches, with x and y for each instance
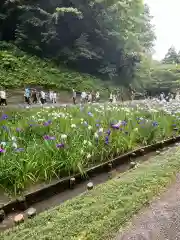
(161, 221)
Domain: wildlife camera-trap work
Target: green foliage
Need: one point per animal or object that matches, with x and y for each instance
(102, 38)
(157, 77)
(101, 213)
(19, 69)
(172, 56)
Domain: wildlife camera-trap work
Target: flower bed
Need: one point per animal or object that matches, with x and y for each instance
(100, 213)
(39, 145)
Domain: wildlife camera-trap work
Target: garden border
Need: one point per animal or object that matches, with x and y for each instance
(23, 203)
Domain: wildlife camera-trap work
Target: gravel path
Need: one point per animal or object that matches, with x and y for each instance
(161, 221)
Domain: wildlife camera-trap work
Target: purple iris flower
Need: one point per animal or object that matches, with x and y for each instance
(97, 125)
(60, 145)
(124, 123)
(2, 150)
(116, 126)
(108, 132)
(18, 129)
(107, 139)
(47, 123)
(4, 117)
(47, 137)
(90, 114)
(5, 128)
(155, 124)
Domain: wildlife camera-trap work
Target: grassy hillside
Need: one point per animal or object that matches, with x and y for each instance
(19, 69)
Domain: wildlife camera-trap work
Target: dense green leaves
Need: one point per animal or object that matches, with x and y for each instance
(19, 69)
(103, 38)
(172, 56)
(157, 77)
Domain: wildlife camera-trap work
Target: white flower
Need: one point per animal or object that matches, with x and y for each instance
(96, 135)
(13, 138)
(85, 142)
(82, 119)
(3, 144)
(73, 125)
(136, 129)
(101, 130)
(14, 145)
(89, 127)
(63, 136)
(88, 156)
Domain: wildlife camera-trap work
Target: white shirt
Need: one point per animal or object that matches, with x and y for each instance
(50, 95)
(43, 94)
(97, 95)
(90, 96)
(83, 95)
(162, 96)
(3, 94)
(54, 95)
(74, 94)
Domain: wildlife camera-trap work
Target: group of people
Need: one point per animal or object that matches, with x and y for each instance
(90, 97)
(112, 98)
(33, 96)
(95, 97)
(169, 97)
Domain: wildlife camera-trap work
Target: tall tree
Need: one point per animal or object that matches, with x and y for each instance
(171, 56)
(100, 37)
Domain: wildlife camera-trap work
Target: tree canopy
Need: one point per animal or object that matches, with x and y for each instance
(100, 37)
(172, 56)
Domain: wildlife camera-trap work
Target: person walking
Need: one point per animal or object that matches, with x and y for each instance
(27, 94)
(111, 97)
(34, 96)
(93, 96)
(114, 98)
(54, 97)
(83, 97)
(89, 97)
(97, 96)
(74, 96)
(162, 96)
(42, 97)
(51, 96)
(3, 101)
